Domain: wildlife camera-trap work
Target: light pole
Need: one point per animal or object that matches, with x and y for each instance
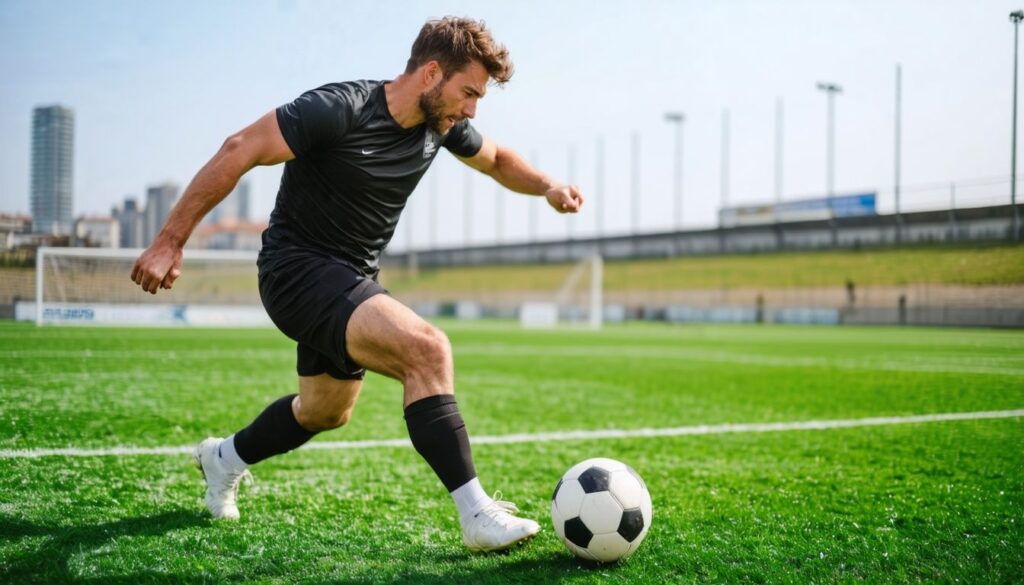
(599, 193)
(897, 153)
(1015, 18)
(724, 163)
(571, 163)
(499, 212)
(467, 207)
(677, 118)
(532, 217)
(831, 89)
(778, 149)
(634, 182)
(724, 185)
(432, 226)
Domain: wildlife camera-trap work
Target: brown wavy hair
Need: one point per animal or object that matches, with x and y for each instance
(455, 42)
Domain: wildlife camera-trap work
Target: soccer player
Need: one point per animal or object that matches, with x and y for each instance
(353, 153)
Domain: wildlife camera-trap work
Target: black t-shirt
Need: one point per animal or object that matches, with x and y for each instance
(354, 169)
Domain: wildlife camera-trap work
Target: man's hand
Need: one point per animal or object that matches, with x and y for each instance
(158, 267)
(565, 198)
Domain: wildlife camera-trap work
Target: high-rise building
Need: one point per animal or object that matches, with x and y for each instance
(242, 193)
(159, 201)
(234, 207)
(133, 223)
(52, 161)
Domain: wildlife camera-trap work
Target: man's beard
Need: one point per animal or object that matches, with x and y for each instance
(433, 110)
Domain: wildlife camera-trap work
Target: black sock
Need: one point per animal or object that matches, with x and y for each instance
(439, 435)
(274, 431)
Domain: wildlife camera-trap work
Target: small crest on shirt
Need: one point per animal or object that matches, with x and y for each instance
(430, 144)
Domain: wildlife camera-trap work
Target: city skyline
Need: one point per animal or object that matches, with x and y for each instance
(153, 103)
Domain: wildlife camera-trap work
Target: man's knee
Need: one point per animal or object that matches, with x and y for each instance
(430, 352)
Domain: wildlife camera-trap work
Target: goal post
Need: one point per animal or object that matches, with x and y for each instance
(579, 300)
(92, 286)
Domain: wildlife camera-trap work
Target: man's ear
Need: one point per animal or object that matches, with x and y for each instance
(432, 74)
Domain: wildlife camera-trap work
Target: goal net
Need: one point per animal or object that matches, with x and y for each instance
(94, 286)
(578, 300)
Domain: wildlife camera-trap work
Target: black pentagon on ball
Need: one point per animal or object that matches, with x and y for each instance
(631, 525)
(557, 487)
(577, 532)
(594, 479)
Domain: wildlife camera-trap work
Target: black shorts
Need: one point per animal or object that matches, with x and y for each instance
(310, 299)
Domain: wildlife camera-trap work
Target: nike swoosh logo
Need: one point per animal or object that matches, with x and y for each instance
(368, 151)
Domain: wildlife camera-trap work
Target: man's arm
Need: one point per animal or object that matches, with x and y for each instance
(511, 170)
(259, 144)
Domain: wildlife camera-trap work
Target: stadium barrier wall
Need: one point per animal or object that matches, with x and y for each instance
(944, 316)
(144, 315)
(234, 316)
(618, 313)
(981, 224)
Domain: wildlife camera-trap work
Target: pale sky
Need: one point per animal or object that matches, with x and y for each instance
(157, 86)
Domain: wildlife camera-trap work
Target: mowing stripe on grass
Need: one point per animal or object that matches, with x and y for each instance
(810, 425)
(1010, 365)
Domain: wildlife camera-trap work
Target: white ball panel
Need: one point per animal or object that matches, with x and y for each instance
(603, 462)
(601, 512)
(569, 498)
(608, 547)
(635, 544)
(626, 488)
(647, 509)
(608, 464)
(558, 521)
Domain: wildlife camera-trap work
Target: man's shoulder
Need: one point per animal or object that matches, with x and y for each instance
(355, 94)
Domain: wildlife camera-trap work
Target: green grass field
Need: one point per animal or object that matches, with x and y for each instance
(935, 501)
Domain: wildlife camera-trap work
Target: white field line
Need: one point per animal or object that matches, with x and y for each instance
(810, 425)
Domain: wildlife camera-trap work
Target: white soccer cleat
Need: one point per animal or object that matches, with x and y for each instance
(221, 484)
(495, 527)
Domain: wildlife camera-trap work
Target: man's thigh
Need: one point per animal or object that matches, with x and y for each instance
(387, 337)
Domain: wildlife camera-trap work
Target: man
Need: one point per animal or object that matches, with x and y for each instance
(353, 153)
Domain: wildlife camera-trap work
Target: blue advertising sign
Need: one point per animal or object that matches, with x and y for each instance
(857, 205)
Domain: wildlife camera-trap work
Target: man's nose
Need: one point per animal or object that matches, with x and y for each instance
(470, 110)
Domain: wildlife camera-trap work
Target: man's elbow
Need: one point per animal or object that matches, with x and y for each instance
(232, 143)
(236, 154)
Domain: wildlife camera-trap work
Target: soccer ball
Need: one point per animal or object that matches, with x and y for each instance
(601, 510)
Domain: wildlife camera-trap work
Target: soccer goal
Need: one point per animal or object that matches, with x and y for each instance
(93, 286)
(579, 300)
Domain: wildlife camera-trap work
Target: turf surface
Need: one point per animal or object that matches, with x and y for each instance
(919, 502)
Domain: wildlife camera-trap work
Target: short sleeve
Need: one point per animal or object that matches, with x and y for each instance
(463, 140)
(315, 120)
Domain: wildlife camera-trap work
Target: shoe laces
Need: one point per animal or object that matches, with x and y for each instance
(497, 510)
(231, 486)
